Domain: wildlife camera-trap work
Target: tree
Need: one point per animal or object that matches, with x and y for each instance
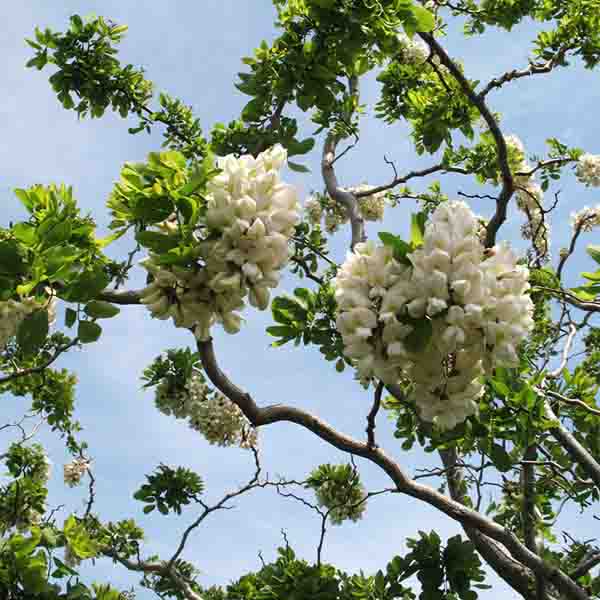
(484, 355)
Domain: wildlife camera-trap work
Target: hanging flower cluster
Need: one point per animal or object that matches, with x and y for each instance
(370, 207)
(339, 490)
(251, 217)
(75, 470)
(14, 312)
(588, 170)
(530, 198)
(413, 51)
(218, 419)
(443, 320)
(586, 219)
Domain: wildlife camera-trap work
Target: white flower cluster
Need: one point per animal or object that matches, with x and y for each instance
(313, 209)
(586, 219)
(343, 503)
(251, 217)
(43, 471)
(218, 419)
(370, 207)
(75, 470)
(13, 312)
(530, 198)
(475, 303)
(414, 51)
(588, 170)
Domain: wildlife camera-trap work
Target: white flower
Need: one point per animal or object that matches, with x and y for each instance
(251, 216)
(313, 210)
(477, 308)
(586, 219)
(588, 170)
(413, 51)
(75, 470)
(371, 207)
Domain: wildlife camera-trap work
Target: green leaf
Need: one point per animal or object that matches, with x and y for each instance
(33, 331)
(109, 239)
(297, 167)
(400, 247)
(87, 285)
(595, 276)
(594, 252)
(57, 233)
(425, 21)
(500, 388)
(88, 331)
(11, 260)
(501, 458)
(79, 540)
(282, 331)
(98, 309)
(326, 4)
(149, 508)
(23, 546)
(587, 292)
(294, 147)
(154, 209)
(25, 233)
(59, 257)
(157, 242)
(417, 228)
(419, 337)
(70, 317)
(25, 199)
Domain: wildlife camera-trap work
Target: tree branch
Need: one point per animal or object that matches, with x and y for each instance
(532, 69)
(511, 571)
(372, 415)
(342, 197)
(575, 450)
(411, 175)
(43, 366)
(466, 516)
(478, 101)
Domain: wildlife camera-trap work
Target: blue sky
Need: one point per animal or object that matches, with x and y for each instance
(193, 50)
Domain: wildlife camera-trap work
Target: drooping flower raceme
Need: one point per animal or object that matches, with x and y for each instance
(210, 413)
(14, 312)
(586, 219)
(75, 470)
(442, 321)
(588, 170)
(319, 206)
(530, 198)
(250, 218)
(413, 51)
(371, 207)
(218, 419)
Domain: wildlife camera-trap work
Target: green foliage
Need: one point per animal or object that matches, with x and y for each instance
(338, 489)
(430, 99)
(149, 193)
(308, 317)
(183, 132)
(175, 366)
(86, 68)
(170, 489)
(315, 65)
(56, 245)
